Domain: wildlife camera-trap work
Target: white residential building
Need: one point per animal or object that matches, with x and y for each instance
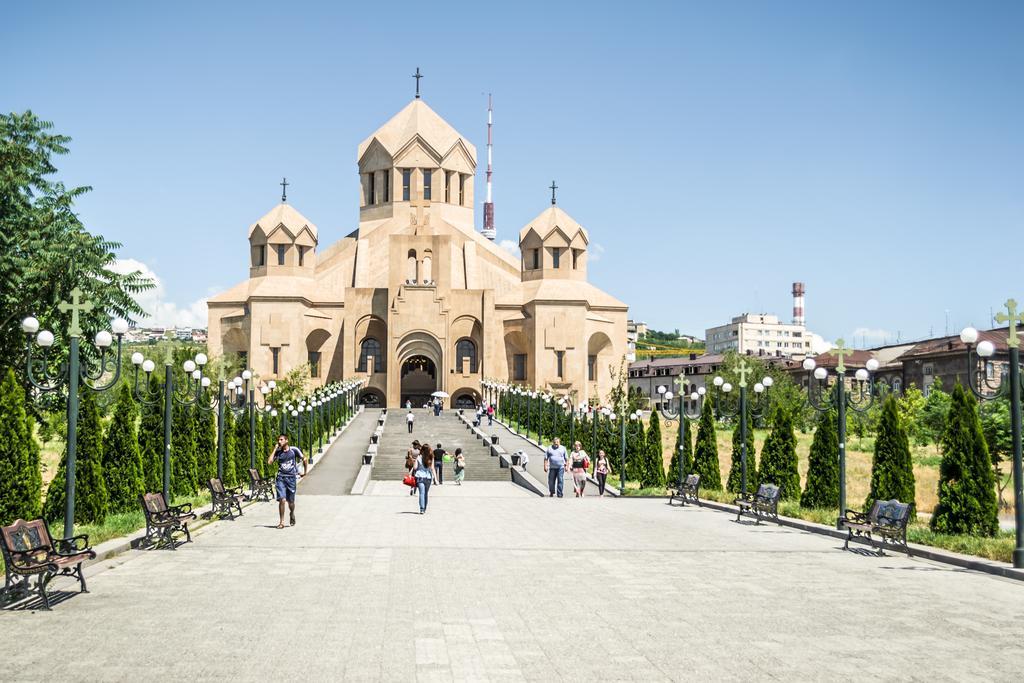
(760, 334)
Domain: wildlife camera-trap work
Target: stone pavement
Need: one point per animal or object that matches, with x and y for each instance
(337, 468)
(518, 588)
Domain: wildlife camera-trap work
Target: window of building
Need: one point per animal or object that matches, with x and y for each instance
(462, 189)
(261, 255)
(281, 249)
(314, 364)
(591, 368)
(448, 187)
(519, 367)
(990, 370)
(560, 364)
(465, 349)
(406, 180)
(387, 187)
(556, 259)
(428, 179)
(302, 254)
(536, 258)
(897, 386)
(275, 359)
(370, 347)
(371, 188)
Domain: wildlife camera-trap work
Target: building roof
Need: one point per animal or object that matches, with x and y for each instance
(678, 361)
(416, 118)
(286, 215)
(553, 218)
(565, 290)
(952, 344)
(289, 286)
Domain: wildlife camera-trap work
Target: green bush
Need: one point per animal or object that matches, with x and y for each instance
(230, 446)
(686, 452)
(892, 470)
(705, 453)
(654, 466)
(91, 500)
(967, 498)
(822, 489)
(241, 454)
(206, 446)
(19, 455)
(184, 475)
(151, 439)
(122, 463)
(778, 457)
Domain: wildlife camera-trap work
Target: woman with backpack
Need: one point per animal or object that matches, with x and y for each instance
(460, 467)
(579, 463)
(423, 471)
(603, 469)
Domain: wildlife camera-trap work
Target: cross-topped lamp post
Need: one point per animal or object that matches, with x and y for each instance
(839, 399)
(757, 409)
(626, 428)
(977, 378)
(73, 374)
(681, 416)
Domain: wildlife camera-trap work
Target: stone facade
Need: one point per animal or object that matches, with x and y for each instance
(416, 300)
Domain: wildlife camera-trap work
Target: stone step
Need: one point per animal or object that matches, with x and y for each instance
(445, 429)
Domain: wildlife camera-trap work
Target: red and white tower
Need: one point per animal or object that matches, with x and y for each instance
(489, 232)
(798, 304)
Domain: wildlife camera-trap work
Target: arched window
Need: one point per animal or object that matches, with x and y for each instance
(370, 347)
(897, 385)
(465, 348)
(427, 270)
(410, 268)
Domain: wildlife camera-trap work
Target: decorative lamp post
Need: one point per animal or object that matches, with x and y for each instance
(858, 398)
(758, 409)
(978, 355)
(681, 415)
(75, 374)
(566, 402)
(626, 425)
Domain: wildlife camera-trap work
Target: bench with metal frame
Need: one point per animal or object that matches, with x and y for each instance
(689, 491)
(764, 504)
(260, 488)
(887, 520)
(225, 500)
(163, 520)
(29, 550)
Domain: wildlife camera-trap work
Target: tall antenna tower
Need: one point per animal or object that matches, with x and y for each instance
(489, 232)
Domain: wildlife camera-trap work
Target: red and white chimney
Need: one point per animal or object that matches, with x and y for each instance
(798, 304)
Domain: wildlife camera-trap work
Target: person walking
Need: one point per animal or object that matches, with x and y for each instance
(460, 466)
(410, 462)
(579, 463)
(410, 419)
(437, 407)
(602, 468)
(408, 404)
(423, 471)
(490, 414)
(554, 465)
(287, 476)
(439, 464)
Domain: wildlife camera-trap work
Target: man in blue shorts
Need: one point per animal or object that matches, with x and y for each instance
(288, 458)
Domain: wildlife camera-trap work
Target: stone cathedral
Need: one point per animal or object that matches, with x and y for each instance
(416, 300)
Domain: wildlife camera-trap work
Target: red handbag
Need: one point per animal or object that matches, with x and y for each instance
(409, 480)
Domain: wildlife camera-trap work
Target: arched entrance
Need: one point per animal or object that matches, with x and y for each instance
(419, 380)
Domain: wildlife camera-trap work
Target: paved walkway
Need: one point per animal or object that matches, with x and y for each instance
(338, 467)
(519, 588)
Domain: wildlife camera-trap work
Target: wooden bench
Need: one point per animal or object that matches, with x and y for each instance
(162, 520)
(29, 550)
(761, 505)
(688, 491)
(887, 520)
(260, 488)
(225, 500)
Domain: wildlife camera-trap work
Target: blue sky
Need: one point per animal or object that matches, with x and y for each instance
(715, 152)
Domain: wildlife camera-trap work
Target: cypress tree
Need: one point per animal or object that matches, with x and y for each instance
(183, 452)
(230, 447)
(34, 471)
(242, 447)
(822, 489)
(122, 463)
(91, 500)
(735, 482)
(705, 453)
(892, 471)
(151, 439)
(654, 469)
(206, 446)
(636, 450)
(967, 499)
(778, 457)
(686, 452)
(19, 490)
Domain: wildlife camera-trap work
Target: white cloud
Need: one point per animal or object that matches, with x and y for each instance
(162, 313)
(870, 336)
(819, 344)
(596, 250)
(510, 246)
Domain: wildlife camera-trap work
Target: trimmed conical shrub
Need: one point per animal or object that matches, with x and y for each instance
(705, 453)
(19, 455)
(151, 439)
(686, 452)
(735, 482)
(822, 489)
(241, 454)
(122, 463)
(206, 446)
(91, 500)
(184, 476)
(636, 450)
(778, 457)
(967, 498)
(230, 446)
(892, 471)
(654, 465)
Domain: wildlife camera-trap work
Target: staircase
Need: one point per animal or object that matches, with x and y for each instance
(447, 430)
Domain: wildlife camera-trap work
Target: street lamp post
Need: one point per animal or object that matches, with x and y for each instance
(977, 378)
(839, 399)
(681, 416)
(626, 424)
(757, 409)
(566, 402)
(75, 375)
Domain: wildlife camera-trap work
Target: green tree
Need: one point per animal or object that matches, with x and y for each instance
(184, 475)
(822, 489)
(911, 409)
(705, 453)
(995, 425)
(778, 457)
(230, 446)
(19, 454)
(151, 438)
(46, 250)
(892, 471)
(734, 483)
(636, 450)
(241, 454)
(91, 500)
(934, 413)
(967, 496)
(654, 469)
(122, 463)
(206, 446)
(686, 451)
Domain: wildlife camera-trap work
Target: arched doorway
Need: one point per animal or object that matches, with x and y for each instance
(419, 380)
(372, 398)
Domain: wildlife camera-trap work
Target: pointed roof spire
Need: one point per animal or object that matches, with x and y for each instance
(417, 76)
(553, 188)
(284, 190)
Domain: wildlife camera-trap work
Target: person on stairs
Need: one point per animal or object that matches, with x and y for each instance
(460, 466)
(439, 464)
(410, 419)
